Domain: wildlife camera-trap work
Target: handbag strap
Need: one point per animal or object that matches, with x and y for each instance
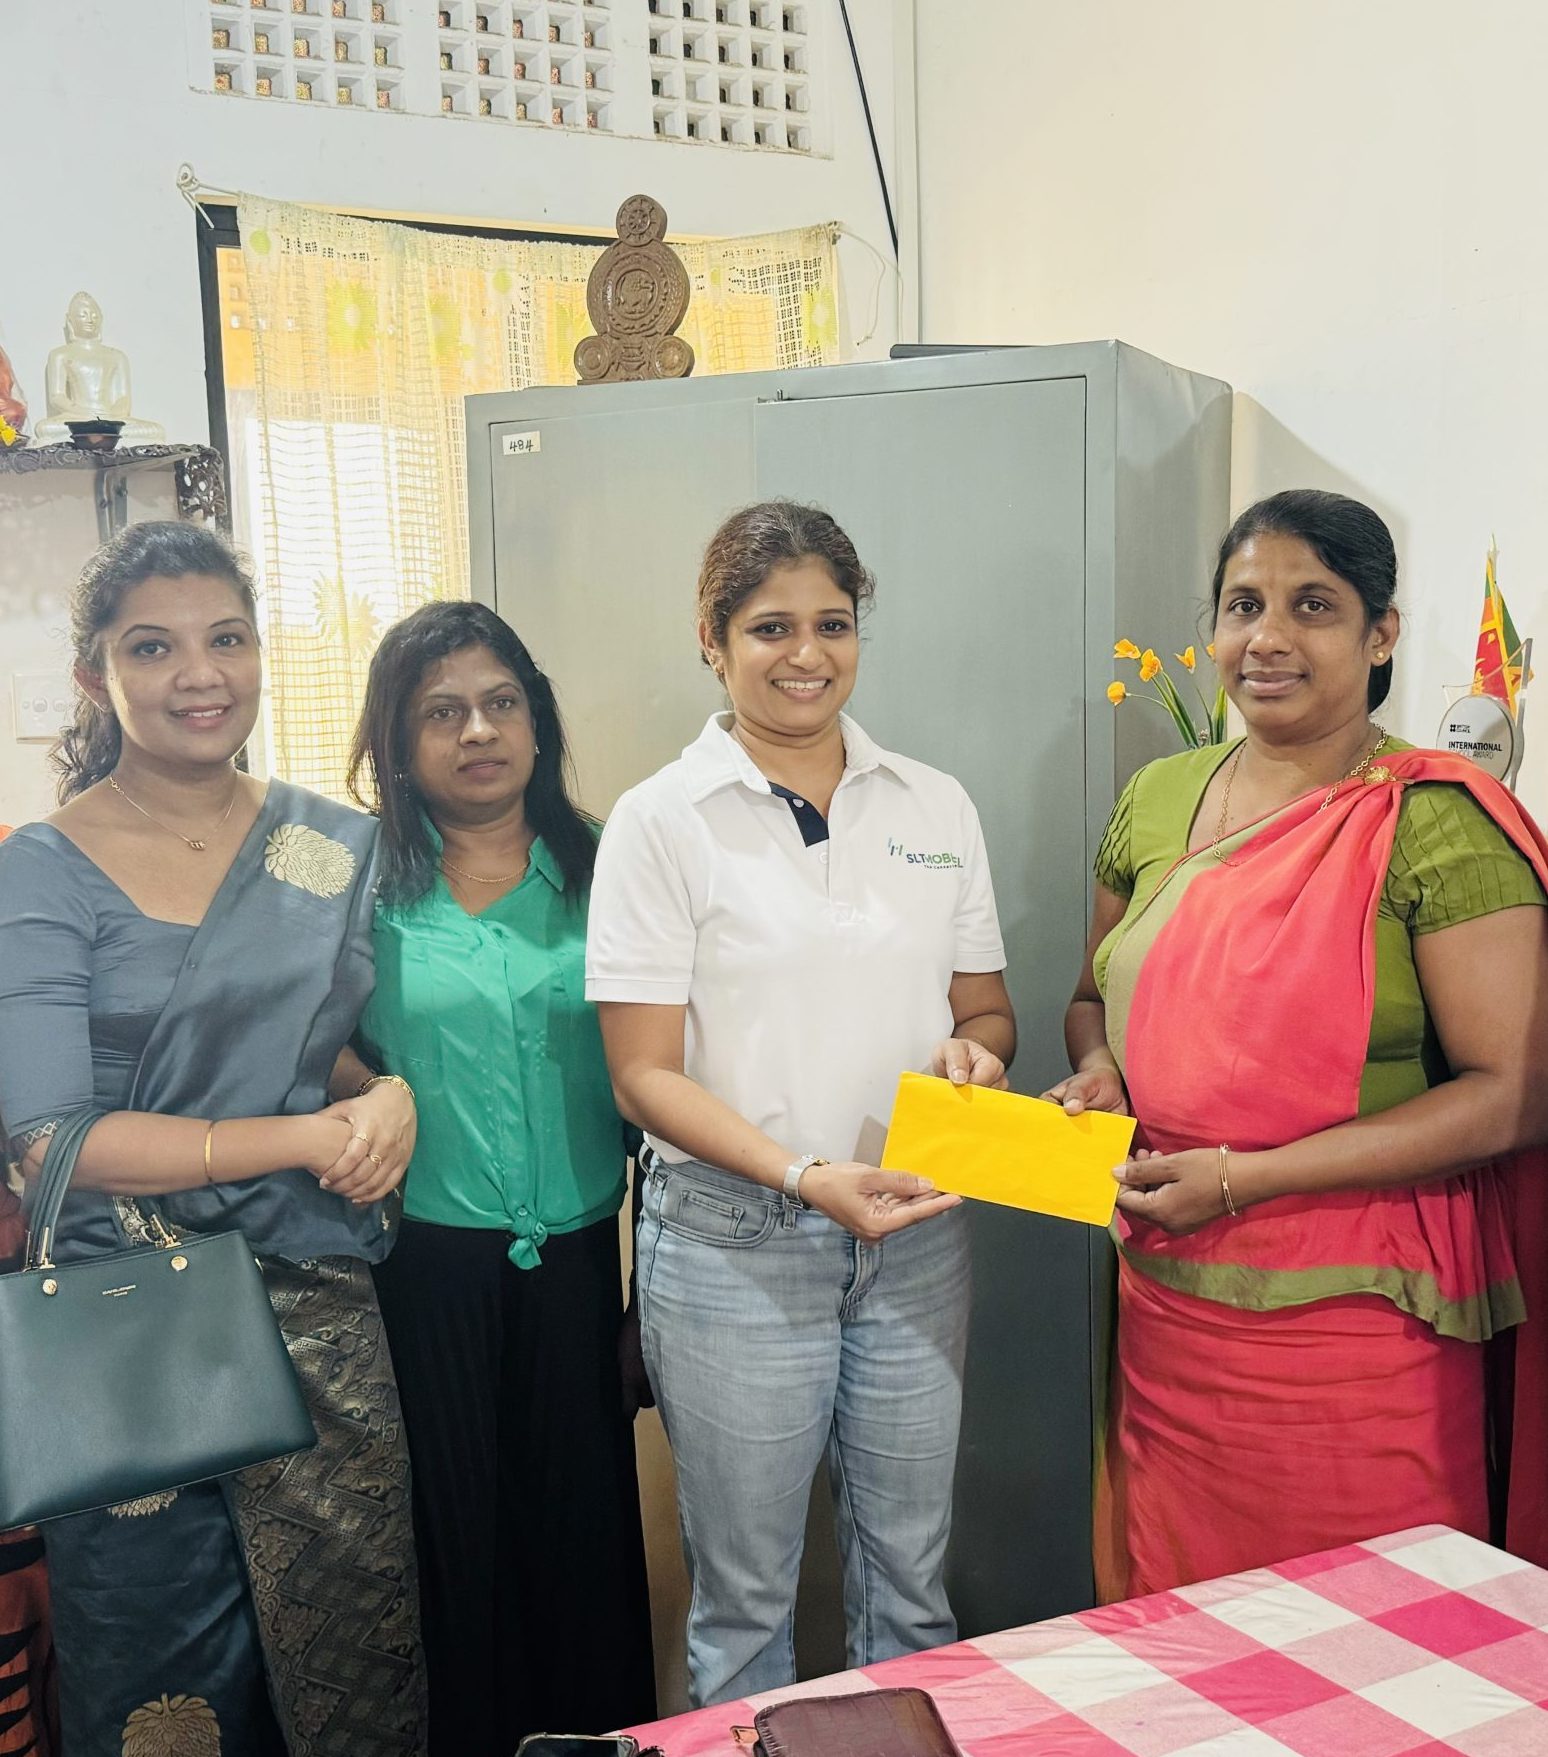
(59, 1161)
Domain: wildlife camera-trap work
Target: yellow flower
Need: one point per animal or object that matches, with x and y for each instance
(351, 316)
(1187, 658)
(819, 322)
(1150, 665)
(446, 329)
(7, 432)
(1115, 693)
(1210, 649)
(1126, 650)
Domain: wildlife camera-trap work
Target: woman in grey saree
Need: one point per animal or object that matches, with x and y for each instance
(273, 1611)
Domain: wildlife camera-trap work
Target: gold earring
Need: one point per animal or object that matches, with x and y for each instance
(1381, 658)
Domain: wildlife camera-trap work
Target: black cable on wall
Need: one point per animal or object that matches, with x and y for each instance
(870, 127)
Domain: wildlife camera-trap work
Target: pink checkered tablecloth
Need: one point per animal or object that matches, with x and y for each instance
(1423, 1643)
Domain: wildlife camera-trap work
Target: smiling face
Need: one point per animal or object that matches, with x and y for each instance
(791, 651)
(1294, 644)
(180, 669)
(470, 736)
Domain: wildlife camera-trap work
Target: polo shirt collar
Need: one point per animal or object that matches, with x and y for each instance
(541, 858)
(715, 759)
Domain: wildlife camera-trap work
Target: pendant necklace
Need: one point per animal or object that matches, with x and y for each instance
(197, 843)
(1349, 775)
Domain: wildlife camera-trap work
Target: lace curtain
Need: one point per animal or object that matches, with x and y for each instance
(350, 345)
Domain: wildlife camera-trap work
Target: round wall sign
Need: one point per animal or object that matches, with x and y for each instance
(1480, 728)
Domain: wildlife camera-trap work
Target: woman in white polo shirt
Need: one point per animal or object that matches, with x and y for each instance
(782, 921)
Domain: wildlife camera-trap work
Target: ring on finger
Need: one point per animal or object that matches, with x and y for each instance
(376, 1160)
(357, 1136)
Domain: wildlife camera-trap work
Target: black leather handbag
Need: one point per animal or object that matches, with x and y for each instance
(136, 1372)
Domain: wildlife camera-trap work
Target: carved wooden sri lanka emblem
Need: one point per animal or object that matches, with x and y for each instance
(636, 296)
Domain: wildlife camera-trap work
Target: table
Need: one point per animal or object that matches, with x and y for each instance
(1415, 1645)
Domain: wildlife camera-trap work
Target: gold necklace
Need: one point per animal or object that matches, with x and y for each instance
(1360, 767)
(197, 843)
(1350, 775)
(1225, 801)
(504, 878)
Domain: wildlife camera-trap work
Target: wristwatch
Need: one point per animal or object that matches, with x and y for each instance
(792, 1184)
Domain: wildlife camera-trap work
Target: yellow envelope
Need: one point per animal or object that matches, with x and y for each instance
(1002, 1147)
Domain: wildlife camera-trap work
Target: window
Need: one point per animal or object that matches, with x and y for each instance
(340, 351)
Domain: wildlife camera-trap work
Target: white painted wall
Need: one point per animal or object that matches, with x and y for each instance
(1336, 207)
(99, 115)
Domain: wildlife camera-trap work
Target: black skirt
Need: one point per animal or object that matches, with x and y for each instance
(534, 1604)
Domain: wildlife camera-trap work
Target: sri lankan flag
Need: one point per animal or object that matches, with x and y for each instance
(1497, 665)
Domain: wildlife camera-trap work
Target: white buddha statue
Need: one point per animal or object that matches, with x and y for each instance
(88, 381)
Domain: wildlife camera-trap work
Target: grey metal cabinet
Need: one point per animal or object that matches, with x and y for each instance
(1022, 509)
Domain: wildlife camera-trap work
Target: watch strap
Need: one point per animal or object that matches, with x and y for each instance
(791, 1188)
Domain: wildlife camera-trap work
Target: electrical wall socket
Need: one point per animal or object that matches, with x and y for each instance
(40, 702)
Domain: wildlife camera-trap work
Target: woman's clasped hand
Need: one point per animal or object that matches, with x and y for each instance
(381, 1125)
(1179, 1192)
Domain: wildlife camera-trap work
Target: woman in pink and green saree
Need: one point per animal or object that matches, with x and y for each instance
(1318, 974)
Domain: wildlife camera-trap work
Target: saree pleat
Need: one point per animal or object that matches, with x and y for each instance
(306, 1562)
(327, 1533)
(1321, 1425)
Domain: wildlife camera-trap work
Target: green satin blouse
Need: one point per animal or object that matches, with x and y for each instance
(486, 1017)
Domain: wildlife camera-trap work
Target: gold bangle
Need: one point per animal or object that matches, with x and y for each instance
(388, 1080)
(209, 1141)
(1225, 1182)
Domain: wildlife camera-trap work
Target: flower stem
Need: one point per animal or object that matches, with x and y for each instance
(1174, 705)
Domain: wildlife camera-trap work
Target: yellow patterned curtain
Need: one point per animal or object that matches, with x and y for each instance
(349, 346)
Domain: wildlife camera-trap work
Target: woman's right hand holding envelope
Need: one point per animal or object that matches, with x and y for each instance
(869, 1202)
(1095, 1088)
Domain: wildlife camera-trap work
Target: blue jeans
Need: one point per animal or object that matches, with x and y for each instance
(771, 1336)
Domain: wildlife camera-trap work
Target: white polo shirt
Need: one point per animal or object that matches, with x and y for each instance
(813, 975)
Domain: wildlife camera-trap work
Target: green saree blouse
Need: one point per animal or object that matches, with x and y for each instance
(1450, 863)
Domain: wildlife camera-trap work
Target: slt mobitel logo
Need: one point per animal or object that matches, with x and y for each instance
(918, 857)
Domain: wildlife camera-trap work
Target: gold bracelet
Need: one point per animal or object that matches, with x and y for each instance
(1225, 1182)
(209, 1141)
(388, 1080)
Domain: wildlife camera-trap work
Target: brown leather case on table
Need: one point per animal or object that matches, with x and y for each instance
(878, 1723)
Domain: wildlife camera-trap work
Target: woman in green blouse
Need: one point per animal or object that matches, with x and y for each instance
(502, 1298)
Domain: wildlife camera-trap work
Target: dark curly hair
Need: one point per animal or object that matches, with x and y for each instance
(774, 533)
